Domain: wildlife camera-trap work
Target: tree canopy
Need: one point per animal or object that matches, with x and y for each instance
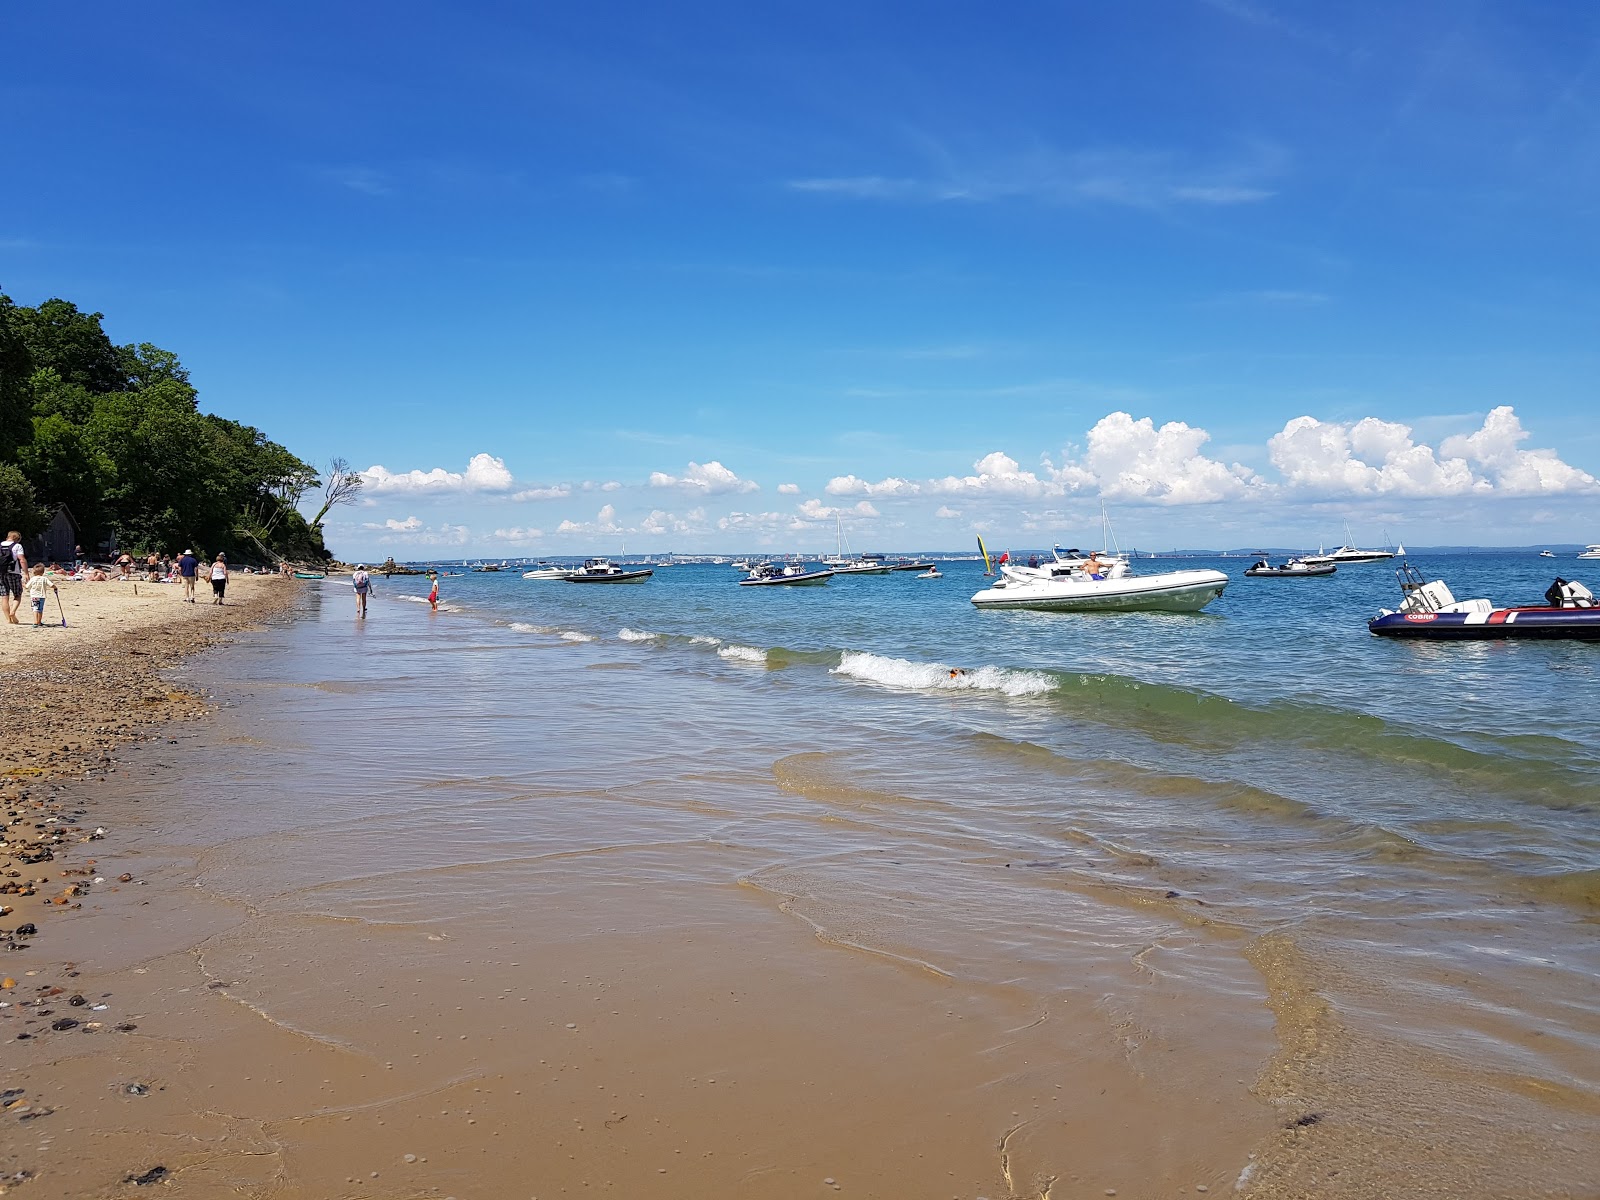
(116, 434)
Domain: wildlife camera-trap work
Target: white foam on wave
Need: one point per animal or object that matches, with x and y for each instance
(637, 635)
(744, 654)
(572, 635)
(703, 640)
(524, 627)
(444, 606)
(920, 676)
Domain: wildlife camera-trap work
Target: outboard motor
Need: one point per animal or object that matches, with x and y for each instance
(1565, 593)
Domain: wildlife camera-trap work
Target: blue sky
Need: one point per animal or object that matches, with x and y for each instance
(712, 276)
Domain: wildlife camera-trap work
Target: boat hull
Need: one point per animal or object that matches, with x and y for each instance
(619, 577)
(1173, 591)
(1581, 624)
(810, 580)
(1313, 572)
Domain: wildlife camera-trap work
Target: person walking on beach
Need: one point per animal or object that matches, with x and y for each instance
(188, 566)
(13, 565)
(219, 577)
(433, 592)
(362, 582)
(38, 588)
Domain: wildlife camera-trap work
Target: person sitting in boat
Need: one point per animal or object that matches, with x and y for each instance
(1033, 560)
(1094, 568)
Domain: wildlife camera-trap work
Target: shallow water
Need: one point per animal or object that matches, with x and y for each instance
(1339, 893)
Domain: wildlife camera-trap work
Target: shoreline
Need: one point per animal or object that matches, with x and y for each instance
(83, 693)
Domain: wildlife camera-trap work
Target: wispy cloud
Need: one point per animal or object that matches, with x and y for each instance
(1130, 178)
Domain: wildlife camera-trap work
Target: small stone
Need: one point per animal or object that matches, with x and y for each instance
(411, 1158)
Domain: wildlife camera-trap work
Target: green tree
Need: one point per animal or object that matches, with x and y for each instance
(16, 365)
(58, 335)
(19, 507)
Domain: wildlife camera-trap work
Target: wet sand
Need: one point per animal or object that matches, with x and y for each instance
(371, 943)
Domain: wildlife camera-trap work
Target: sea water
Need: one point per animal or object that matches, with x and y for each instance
(1384, 854)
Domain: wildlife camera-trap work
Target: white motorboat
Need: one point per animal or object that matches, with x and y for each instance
(603, 570)
(931, 573)
(867, 564)
(794, 574)
(1591, 552)
(1349, 553)
(547, 571)
(1073, 583)
(1547, 554)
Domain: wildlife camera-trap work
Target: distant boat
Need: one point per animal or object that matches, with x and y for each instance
(547, 571)
(786, 575)
(1295, 568)
(1546, 554)
(931, 573)
(1591, 551)
(1348, 553)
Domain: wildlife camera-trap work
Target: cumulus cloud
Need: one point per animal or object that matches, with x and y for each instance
(945, 513)
(605, 521)
(1130, 459)
(849, 485)
(484, 473)
(710, 479)
(409, 525)
(994, 474)
(1512, 471)
(789, 489)
(1381, 458)
(559, 491)
(518, 534)
(815, 510)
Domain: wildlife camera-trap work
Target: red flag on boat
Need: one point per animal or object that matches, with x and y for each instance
(1005, 556)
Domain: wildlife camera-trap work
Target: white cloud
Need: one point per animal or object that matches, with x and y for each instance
(849, 485)
(484, 473)
(412, 532)
(815, 510)
(1512, 471)
(518, 535)
(1130, 459)
(710, 479)
(994, 474)
(945, 513)
(409, 525)
(789, 489)
(559, 491)
(605, 521)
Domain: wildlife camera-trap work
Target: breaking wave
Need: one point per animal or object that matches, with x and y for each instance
(744, 654)
(572, 635)
(920, 676)
(637, 635)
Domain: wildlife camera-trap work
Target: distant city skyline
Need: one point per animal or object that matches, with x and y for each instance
(714, 277)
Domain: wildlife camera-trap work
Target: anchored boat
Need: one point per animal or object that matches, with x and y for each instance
(1074, 583)
(775, 574)
(603, 570)
(1429, 610)
(1295, 568)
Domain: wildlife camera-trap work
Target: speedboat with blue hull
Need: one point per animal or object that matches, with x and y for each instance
(1430, 611)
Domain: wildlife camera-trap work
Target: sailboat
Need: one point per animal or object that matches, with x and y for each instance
(988, 567)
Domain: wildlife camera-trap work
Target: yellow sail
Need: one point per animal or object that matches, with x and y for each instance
(988, 568)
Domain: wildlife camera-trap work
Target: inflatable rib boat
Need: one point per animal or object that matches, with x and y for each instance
(1429, 610)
